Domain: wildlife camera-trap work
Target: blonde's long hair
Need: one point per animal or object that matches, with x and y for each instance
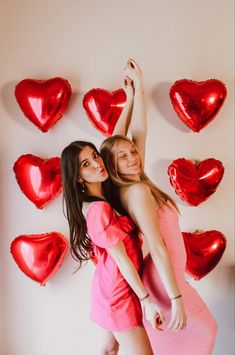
(110, 160)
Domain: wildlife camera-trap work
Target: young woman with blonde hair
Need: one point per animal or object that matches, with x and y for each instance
(156, 215)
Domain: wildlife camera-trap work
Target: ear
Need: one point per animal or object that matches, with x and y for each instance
(80, 180)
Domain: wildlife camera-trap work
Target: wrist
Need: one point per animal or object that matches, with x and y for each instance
(129, 98)
(142, 299)
(139, 90)
(176, 298)
(139, 85)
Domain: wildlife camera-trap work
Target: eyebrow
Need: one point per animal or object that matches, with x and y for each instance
(123, 151)
(83, 161)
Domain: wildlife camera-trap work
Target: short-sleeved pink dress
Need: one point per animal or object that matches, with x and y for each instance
(199, 335)
(114, 305)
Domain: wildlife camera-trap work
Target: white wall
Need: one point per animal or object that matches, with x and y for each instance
(87, 42)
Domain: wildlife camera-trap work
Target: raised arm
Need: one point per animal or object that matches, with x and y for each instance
(152, 311)
(123, 122)
(138, 124)
(142, 210)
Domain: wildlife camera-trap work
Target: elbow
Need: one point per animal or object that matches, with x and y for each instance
(158, 252)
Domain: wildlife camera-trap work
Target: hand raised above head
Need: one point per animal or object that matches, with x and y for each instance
(133, 71)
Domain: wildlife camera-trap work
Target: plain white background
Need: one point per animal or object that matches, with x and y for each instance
(88, 42)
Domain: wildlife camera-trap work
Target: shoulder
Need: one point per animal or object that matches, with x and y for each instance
(137, 189)
(99, 215)
(98, 206)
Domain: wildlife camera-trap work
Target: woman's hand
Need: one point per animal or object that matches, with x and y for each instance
(178, 315)
(152, 313)
(133, 71)
(128, 88)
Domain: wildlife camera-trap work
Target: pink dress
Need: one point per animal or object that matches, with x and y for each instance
(114, 305)
(199, 335)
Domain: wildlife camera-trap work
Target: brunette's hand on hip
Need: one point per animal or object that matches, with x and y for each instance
(152, 313)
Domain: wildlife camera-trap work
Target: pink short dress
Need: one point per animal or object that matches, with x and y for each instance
(114, 305)
(199, 335)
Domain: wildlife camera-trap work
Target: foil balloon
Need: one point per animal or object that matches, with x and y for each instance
(103, 108)
(197, 103)
(39, 255)
(43, 102)
(204, 251)
(39, 179)
(195, 182)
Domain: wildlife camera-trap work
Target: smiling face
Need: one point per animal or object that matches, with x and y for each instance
(127, 159)
(91, 166)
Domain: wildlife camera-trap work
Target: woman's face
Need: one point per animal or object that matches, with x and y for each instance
(91, 166)
(127, 157)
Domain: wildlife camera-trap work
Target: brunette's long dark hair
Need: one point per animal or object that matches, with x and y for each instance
(73, 198)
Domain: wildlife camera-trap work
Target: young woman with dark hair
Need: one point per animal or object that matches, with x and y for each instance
(156, 215)
(100, 231)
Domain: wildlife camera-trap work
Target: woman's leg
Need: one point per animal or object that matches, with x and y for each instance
(109, 345)
(134, 341)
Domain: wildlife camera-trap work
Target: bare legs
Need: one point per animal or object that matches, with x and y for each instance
(134, 341)
(109, 345)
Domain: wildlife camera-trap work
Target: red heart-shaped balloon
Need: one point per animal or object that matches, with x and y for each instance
(103, 108)
(43, 102)
(195, 182)
(204, 251)
(39, 255)
(197, 103)
(39, 179)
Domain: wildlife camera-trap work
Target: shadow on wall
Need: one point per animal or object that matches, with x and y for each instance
(160, 96)
(161, 178)
(12, 107)
(4, 255)
(224, 278)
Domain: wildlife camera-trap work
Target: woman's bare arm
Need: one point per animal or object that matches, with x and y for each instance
(142, 210)
(138, 125)
(123, 122)
(131, 275)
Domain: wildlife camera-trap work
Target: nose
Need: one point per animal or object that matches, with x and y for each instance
(96, 164)
(131, 158)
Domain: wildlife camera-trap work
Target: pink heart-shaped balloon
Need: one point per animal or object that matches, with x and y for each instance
(39, 179)
(43, 102)
(195, 182)
(40, 255)
(204, 251)
(103, 108)
(197, 103)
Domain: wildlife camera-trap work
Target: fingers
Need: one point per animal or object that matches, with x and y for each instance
(160, 317)
(129, 64)
(127, 81)
(176, 326)
(134, 64)
(157, 321)
(129, 71)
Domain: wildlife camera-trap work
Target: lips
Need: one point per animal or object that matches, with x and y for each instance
(133, 165)
(101, 171)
